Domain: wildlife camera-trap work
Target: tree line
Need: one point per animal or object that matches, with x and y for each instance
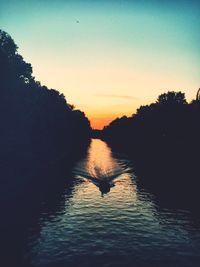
(163, 140)
(170, 120)
(36, 121)
(41, 136)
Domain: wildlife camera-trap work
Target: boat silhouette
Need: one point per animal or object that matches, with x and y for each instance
(104, 181)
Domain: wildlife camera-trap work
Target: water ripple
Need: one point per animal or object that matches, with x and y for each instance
(122, 228)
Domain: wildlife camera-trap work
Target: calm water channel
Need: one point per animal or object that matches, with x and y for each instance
(104, 220)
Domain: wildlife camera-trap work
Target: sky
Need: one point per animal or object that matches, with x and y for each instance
(108, 57)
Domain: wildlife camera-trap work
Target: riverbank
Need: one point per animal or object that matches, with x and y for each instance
(162, 139)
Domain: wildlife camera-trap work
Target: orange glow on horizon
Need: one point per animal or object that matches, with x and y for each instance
(99, 123)
(116, 59)
(99, 119)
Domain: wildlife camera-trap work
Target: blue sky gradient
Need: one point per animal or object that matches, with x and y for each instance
(90, 49)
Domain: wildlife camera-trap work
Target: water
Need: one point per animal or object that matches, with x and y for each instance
(114, 224)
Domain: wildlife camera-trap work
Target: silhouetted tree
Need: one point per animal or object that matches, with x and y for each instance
(198, 95)
(161, 137)
(41, 136)
(35, 121)
(172, 98)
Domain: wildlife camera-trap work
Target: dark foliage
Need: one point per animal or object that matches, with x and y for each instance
(40, 133)
(163, 141)
(41, 136)
(36, 122)
(96, 133)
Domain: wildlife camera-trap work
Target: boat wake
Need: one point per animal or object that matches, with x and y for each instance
(103, 179)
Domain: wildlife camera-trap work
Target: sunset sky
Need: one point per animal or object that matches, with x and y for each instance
(108, 57)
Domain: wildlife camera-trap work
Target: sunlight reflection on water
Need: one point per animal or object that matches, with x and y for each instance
(124, 228)
(100, 167)
(100, 160)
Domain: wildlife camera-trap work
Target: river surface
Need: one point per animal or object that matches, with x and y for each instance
(103, 219)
